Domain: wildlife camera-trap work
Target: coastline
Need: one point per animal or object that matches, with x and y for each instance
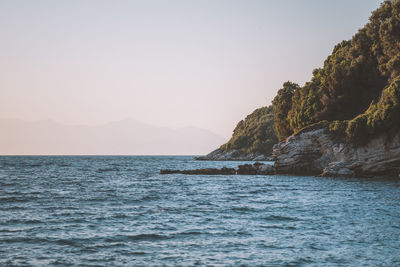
(232, 155)
(315, 152)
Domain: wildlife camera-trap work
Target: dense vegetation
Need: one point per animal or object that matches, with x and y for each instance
(355, 90)
(356, 94)
(382, 116)
(254, 134)
(282, 105)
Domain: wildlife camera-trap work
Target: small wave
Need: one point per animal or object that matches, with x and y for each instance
(139, 237)
(279, 218)
(36, 165)
(6, 164)
(316, 247)
(272, 226)
(107, 170)
(14, 199)
(101, 244)
(268, 246)
(33, 221)
(265, 189)
(4, 184)
(149, 197)
(244, 209)
(24, 240)
(129, 253)
(14, 208)
(69, 242)
(78, 220)
(120, 216)
(14, 230)
(191, 233)
(147, 237)
(243, 233)
(300, 261)
(138, 253)
(64, 165)
(15, 221)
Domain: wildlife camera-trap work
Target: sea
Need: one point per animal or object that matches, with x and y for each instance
(119, 211)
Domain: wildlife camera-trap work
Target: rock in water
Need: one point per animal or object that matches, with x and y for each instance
(246, 169)
(266, 169)
(208, 171)
(315, 152)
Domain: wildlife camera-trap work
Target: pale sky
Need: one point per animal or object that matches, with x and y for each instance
(166, 63)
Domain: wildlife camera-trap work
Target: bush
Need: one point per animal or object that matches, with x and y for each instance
(255, 133)
(338, 129)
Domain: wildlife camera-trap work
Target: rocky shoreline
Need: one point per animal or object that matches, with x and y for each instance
(245, 169)
(315, 152)
(232, 155)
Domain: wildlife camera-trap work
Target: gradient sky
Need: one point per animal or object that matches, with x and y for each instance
(166, 63)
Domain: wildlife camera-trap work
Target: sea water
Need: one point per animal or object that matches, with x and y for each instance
(118, 211)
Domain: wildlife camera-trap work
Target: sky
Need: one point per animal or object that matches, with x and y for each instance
(166, 63)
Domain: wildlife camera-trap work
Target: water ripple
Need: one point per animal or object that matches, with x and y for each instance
(117, 211)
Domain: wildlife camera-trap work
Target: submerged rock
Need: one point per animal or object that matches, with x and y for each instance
(315, 152)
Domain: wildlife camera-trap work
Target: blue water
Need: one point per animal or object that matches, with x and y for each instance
(118, 211)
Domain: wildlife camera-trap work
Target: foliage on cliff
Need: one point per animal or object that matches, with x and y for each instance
(282, 105)
(254, 134)
(355, 95)
(381, 116)
(349, 90)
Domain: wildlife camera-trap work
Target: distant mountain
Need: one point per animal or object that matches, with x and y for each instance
(126, 137)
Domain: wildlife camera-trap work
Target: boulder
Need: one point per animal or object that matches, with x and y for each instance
(265, 169)
(247, 169)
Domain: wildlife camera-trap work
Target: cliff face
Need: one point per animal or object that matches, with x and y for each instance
(314, 152)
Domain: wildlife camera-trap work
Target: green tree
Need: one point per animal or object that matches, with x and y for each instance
(254, 134)
(282, 105)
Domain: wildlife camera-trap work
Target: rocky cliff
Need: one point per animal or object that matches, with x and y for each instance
(315, 152)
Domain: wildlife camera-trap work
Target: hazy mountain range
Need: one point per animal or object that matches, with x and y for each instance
(125, 137)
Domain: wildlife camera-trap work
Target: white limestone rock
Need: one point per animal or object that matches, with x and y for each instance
(315, 152)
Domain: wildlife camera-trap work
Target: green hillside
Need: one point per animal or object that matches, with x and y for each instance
(254, 134)
(356, 94)
(355, 90)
